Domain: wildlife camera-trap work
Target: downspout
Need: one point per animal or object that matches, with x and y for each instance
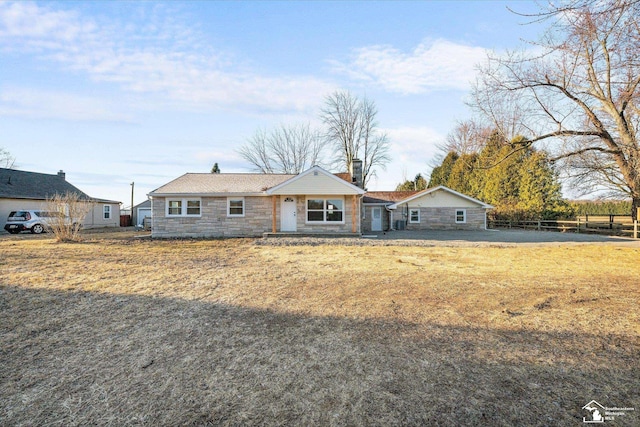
(391, 228)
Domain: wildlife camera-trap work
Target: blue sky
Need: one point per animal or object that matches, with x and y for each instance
(121, 92)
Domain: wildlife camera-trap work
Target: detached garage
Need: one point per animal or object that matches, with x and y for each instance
(440, 208)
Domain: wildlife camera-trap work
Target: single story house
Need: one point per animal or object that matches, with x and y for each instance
(313, 202)
(247, 204)
(22, 190)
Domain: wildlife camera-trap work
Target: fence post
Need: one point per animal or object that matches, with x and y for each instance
(578, 225)
(635, 229)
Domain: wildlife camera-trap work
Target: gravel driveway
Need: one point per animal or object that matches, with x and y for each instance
(500, 238)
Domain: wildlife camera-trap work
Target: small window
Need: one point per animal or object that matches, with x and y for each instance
(193, 207)
(414, 216)
(174, 207)
(235, 207)
(106, 212)
(461, 216)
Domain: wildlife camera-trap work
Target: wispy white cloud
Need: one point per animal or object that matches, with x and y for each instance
(162, 57)
(38, 103)
(432, 65)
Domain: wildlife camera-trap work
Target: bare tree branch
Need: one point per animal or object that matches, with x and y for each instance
(286, 149)
(352, 129)
(580, 96)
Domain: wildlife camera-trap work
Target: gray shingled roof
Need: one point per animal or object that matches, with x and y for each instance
(16, 184)
(211, 183)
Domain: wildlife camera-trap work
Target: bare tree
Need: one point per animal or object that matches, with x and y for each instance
(6, 159)
(468, 136)
(285, 149)
(68, 212)
(352, 129)
(578, 94)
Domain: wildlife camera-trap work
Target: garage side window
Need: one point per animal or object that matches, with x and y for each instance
(461, 216)
(106, 212)
(414, 216)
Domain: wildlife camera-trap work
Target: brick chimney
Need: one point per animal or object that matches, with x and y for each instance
(61, 174)
(356, 173)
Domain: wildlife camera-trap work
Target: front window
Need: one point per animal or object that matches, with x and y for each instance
(235, 207)
(325, 210)
(414, 216)
(106, 212)
(461, 216)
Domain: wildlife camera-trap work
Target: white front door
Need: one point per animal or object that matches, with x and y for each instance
(376, 219)
(288, 220)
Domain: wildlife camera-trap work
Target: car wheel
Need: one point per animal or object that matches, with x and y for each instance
(37, 229)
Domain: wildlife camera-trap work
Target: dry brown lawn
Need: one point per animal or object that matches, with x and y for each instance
(125, 331)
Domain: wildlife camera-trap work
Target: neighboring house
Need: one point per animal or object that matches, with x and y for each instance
(140, 212)
(208, 205)
(21, 190)
(313, 202)
(438, 208)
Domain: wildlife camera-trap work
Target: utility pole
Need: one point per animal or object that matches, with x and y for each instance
(131, 216)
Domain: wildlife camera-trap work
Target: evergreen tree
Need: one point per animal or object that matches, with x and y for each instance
(418, 184)
(440, 174)
(517, 180)
(215, 168)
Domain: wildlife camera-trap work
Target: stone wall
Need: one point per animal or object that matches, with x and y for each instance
(214, 221)
(304, 227)
(444, 219)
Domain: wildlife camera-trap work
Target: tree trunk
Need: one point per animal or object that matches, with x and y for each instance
(635, 208)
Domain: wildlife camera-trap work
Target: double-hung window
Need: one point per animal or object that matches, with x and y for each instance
(235, 206)
(414, 216)
(184, 207)
(106, 212)
(322, 210)
(461, 216)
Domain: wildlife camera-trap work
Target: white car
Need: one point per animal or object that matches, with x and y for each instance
(31, 220)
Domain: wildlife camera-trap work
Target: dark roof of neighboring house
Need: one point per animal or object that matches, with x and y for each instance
(389, 197)
(17, 184)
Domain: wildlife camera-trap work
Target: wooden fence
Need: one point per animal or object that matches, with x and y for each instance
(589, 224)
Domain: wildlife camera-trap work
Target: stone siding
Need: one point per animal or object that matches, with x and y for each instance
(444, 219)
(214, 222)
(304, 227)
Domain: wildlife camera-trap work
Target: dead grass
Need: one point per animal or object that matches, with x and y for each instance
(123, 331)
